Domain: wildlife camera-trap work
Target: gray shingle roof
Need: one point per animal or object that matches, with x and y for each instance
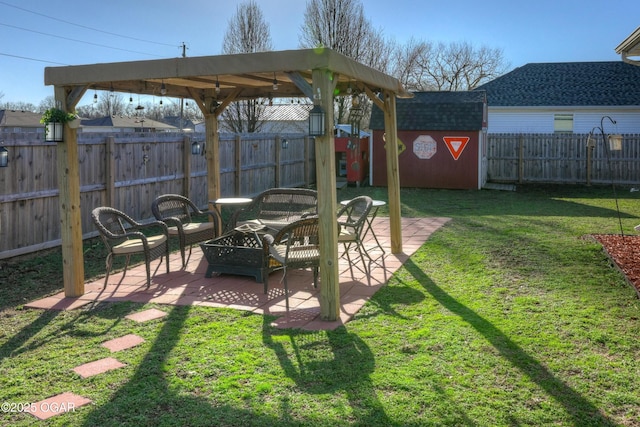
(566, 84)
(13, 118)
(436, 111)
(125, 122)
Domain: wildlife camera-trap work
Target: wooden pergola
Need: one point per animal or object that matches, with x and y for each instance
(213, 82)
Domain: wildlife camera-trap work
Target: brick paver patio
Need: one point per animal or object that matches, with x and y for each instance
(190, 287)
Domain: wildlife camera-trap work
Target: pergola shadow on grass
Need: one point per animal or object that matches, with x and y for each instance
(317, 356)
(577, 406)
(146, 395)
(505, 316)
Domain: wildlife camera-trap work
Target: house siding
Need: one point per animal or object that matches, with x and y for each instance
(528, 121)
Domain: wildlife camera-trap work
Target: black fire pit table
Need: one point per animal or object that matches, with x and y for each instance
(240, 252)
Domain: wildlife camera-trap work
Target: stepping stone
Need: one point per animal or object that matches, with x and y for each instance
(56, 303)
(56, 405)
(146, 315)
(123, 343)
(98, 367)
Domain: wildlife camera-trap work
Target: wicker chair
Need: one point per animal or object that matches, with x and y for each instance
(122, 235)
(178, 213)
(276, 207)
(295, 246)
(352, 219)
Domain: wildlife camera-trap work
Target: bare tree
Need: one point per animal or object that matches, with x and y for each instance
(342, 26)
(422, 66)
(407, 65)
(18, 106)
(106, 104)
(247, 32)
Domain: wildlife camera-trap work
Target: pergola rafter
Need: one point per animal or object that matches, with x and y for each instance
(213, 82)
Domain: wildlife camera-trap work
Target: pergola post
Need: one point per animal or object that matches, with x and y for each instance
(68, 168)
(212, 154)
(327, 203)
(393, 175)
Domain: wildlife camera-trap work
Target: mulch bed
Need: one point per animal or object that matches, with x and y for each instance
(624, 252)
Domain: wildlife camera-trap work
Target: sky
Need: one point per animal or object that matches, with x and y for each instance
(35, 34)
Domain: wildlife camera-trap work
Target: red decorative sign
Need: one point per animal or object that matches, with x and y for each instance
(456, 144)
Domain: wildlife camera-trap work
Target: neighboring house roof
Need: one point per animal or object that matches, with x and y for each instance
(24, 119)
(125, 122)
(436, 111)
(286, 112)
(630, 47)
(577, 84)
(175, 122)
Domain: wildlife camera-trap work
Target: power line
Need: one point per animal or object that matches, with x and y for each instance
(86, 27)
(76, 40)
(32, 59)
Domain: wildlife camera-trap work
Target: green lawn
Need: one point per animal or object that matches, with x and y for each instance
(507, 316)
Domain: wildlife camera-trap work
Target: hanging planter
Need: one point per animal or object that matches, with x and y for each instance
(615, 142)
(54, 120)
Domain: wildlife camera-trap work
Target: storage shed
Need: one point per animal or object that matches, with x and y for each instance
(441, 141)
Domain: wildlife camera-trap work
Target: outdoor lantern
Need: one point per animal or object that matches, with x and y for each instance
(615, 142)
(54, 132)
(4, 157)
(285, 143)
(316, 121)
(195, 148)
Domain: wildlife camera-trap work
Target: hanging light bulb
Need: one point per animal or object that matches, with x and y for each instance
(95, 97)
(275, 82)
(163, 89)
(217, 85)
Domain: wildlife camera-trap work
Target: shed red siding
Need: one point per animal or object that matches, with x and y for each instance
(439, 171)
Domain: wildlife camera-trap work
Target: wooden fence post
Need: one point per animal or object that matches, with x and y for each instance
(307, 168)
(110, 169)
(278, 151)
(521, 159)
(238, 165)
(186, 161)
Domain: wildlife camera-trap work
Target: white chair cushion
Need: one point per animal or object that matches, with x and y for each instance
(193, 227)
(346, 236)
(136, 246)
(279, 251)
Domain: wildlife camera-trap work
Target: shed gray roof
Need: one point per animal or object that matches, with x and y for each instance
(436, 111)
(578, 84)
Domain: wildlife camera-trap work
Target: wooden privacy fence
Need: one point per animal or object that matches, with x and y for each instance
(128, 170)
(562, 159)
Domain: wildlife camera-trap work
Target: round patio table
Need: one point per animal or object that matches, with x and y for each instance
(234, 202)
